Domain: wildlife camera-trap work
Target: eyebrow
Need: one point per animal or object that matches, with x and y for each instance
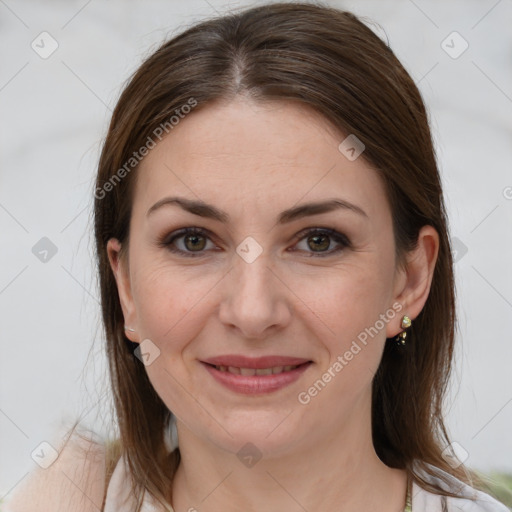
(203, 209)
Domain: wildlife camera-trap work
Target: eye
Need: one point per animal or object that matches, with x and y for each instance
(195, 240)
(319, 240)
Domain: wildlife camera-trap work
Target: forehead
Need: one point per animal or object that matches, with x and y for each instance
(251, 155)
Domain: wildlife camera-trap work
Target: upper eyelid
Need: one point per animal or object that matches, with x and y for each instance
(178, 233)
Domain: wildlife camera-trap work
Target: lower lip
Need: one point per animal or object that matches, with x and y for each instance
(256, 384)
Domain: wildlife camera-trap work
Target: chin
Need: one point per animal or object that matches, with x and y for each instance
(263, 434)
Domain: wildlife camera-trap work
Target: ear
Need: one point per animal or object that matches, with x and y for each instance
(119, 266)
(412, 283)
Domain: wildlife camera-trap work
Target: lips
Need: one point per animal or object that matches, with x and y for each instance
(255, 375)
(257, 363)
(256, 371)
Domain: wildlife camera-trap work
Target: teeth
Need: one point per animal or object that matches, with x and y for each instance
(259, 371)
(264, 371)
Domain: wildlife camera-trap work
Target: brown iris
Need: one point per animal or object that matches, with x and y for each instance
(316, 245)
(195, 244)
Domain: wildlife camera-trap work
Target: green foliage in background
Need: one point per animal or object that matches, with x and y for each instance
(498, 485)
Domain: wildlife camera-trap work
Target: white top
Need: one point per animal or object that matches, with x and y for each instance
(119, 498)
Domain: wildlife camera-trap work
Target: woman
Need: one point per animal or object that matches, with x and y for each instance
(276, 279)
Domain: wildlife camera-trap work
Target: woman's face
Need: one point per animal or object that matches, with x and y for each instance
(254, 284)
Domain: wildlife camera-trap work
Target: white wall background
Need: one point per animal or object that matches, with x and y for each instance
(55, 111)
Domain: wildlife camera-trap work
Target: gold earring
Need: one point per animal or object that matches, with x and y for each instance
(406, 323)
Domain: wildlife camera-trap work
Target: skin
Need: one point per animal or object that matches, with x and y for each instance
(253, 161)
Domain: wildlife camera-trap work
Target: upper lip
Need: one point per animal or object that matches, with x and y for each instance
(240, 361)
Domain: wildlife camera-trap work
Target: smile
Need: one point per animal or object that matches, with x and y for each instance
(256, 381)
(256, 371)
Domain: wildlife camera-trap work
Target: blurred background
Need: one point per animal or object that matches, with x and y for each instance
(62, 69)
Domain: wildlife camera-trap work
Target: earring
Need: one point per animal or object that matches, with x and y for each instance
(126, 328)
(400, 338)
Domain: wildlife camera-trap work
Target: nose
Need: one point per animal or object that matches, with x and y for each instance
(255, 301)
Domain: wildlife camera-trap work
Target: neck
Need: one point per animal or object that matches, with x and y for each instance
(338, 472)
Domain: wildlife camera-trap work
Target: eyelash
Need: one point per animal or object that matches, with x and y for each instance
(334, 235)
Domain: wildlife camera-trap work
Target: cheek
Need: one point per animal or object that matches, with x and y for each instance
(170, 302)
(169, 314)
(346, 301)
(348, 307)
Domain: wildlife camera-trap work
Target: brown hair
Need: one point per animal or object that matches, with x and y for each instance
(331, 61)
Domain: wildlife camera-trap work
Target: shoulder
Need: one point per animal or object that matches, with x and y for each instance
(75, 481)
(469, 500)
